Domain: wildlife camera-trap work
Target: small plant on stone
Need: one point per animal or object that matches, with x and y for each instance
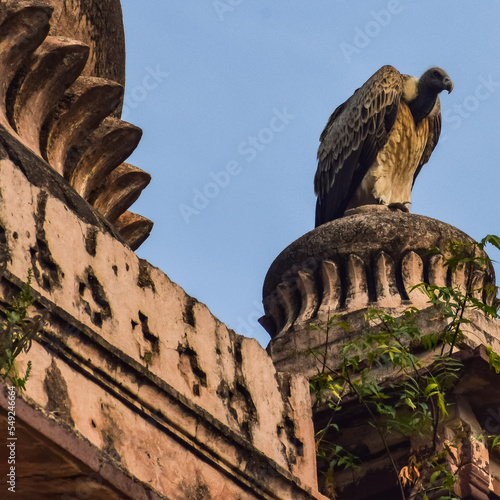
(413, 401)
(17, 331)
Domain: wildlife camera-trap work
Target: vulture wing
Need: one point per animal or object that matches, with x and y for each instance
(352, 138)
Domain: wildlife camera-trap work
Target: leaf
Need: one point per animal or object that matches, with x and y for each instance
(15, 317)
(431, 389)
(434, 476)
(410, 403)
(442, 404)
(494, 359)
(430, 341)
(344, 325)
(492, 240)
(495, 442)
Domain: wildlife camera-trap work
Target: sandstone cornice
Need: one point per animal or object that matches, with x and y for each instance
(67, 118)
(164, 393)
(153, 400)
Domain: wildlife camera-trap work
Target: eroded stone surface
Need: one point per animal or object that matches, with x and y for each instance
(146, 373)
(98, 24)
(350, 248)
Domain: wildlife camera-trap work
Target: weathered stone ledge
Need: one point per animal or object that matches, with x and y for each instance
(142, 371)
(139, 395)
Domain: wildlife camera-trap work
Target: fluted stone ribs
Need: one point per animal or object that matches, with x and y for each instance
(321, 292)
(65, 117)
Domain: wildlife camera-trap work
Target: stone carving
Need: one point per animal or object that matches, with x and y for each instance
(50, 103)
(332, 288)
(412, 272)
(369, 259)
(386, 287)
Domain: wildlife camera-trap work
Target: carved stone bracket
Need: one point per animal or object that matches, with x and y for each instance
(67, 118)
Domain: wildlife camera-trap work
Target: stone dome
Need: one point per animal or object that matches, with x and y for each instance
(372, 257)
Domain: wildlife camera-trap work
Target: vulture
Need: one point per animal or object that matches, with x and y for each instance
(375, 144)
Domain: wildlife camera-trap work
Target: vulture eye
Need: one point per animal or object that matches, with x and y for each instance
(436, 73)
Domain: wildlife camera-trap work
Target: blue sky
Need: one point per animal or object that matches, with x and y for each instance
(232, 96)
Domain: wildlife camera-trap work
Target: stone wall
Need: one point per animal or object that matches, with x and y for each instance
(137, 390)
(131, 366)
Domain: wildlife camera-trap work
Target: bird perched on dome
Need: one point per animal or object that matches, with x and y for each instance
(375, 144)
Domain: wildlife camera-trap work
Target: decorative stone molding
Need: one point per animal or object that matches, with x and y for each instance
(99, 25)
(372, 258)
(67, 118)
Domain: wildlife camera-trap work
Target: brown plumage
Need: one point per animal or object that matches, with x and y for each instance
(375, 144)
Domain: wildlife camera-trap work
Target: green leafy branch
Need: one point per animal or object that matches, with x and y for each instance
(414, 401)
(17, 332)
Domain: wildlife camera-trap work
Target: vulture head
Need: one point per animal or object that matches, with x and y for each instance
(428, 86)
(436, 80)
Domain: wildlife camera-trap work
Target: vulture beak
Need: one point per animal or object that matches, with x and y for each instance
(448, 84)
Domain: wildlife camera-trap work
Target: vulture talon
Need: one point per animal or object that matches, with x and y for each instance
(399, 206)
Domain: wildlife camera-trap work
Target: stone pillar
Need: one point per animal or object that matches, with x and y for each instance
(372, 258)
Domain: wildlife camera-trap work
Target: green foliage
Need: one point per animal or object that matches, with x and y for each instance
(441, 481)
(494, 359)
(414, 402)
(17, 332)
(495, 442)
